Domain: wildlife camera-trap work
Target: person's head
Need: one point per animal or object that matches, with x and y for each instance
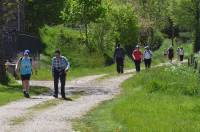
(147, 48)
(137, 47)
(26, 53)
(57, 53)
(118, 45)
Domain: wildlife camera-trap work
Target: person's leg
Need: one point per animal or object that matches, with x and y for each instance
(139, 62)
(150, 63)
(146, 63)
(118, 64)
(137, 66)
(56, 80)
(62, 80)
(122, 65)
(24, 87)
(181, 58)
(27, 86)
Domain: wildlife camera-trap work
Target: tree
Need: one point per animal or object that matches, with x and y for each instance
(153, 16)
(82, 12)
(126, 23)
(187, 15)
(3, 19)
(42, 12)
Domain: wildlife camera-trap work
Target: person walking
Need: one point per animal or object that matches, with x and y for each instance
(60, 67)
(181, 54)
(147, 57)
(119, 57)
(170, 53)
(137, 57)
(24, 66)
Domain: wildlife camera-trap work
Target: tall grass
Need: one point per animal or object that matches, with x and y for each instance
(162, 99)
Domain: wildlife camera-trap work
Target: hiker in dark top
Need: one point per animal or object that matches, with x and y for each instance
(137, 57)
(60, 67)
(170, 53)
(119, 57)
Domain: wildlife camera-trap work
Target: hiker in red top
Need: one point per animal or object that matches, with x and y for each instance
(137, 57)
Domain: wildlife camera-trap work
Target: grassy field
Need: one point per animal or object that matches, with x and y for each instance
(13, 92)
(162, 99)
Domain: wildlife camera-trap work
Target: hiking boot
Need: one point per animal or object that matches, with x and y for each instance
(55, 96)
(26, 94)
(68, 99)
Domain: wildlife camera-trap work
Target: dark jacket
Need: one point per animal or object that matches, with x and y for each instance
(119, 53)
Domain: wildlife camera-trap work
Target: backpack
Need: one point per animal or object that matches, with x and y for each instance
(21, 60)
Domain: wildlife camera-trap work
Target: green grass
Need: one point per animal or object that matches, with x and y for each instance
(162, 99)
(13, 92)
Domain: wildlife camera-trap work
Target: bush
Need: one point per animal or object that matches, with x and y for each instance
(157, 40)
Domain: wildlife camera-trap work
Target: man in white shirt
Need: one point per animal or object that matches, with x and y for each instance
(147, 57)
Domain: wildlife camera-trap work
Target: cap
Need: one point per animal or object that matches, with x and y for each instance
(26, 52)
(137, 46)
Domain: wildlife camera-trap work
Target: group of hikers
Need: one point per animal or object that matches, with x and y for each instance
(138, 56)
(60, 66)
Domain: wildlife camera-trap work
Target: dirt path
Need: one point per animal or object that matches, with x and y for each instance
(57, 118)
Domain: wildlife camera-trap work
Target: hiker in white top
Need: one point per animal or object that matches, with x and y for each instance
(147, 57)
(181, 54)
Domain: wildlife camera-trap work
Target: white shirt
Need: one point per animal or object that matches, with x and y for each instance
(147, 54)
(181, 52)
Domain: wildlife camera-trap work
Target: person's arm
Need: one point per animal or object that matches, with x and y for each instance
(17, 66)
(67, 64)
(133, 55)
(141, 55)
(52, 66)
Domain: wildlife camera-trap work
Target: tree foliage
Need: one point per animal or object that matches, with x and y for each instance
(82, 12)
(41, 12)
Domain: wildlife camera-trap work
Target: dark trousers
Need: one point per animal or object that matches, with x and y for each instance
(181, 57)
(120, 65)
(147, 63)
(137, 65)
(62, 77)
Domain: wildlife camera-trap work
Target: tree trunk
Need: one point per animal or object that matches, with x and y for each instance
(3, 76)
(86, 35)
(197, 29)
